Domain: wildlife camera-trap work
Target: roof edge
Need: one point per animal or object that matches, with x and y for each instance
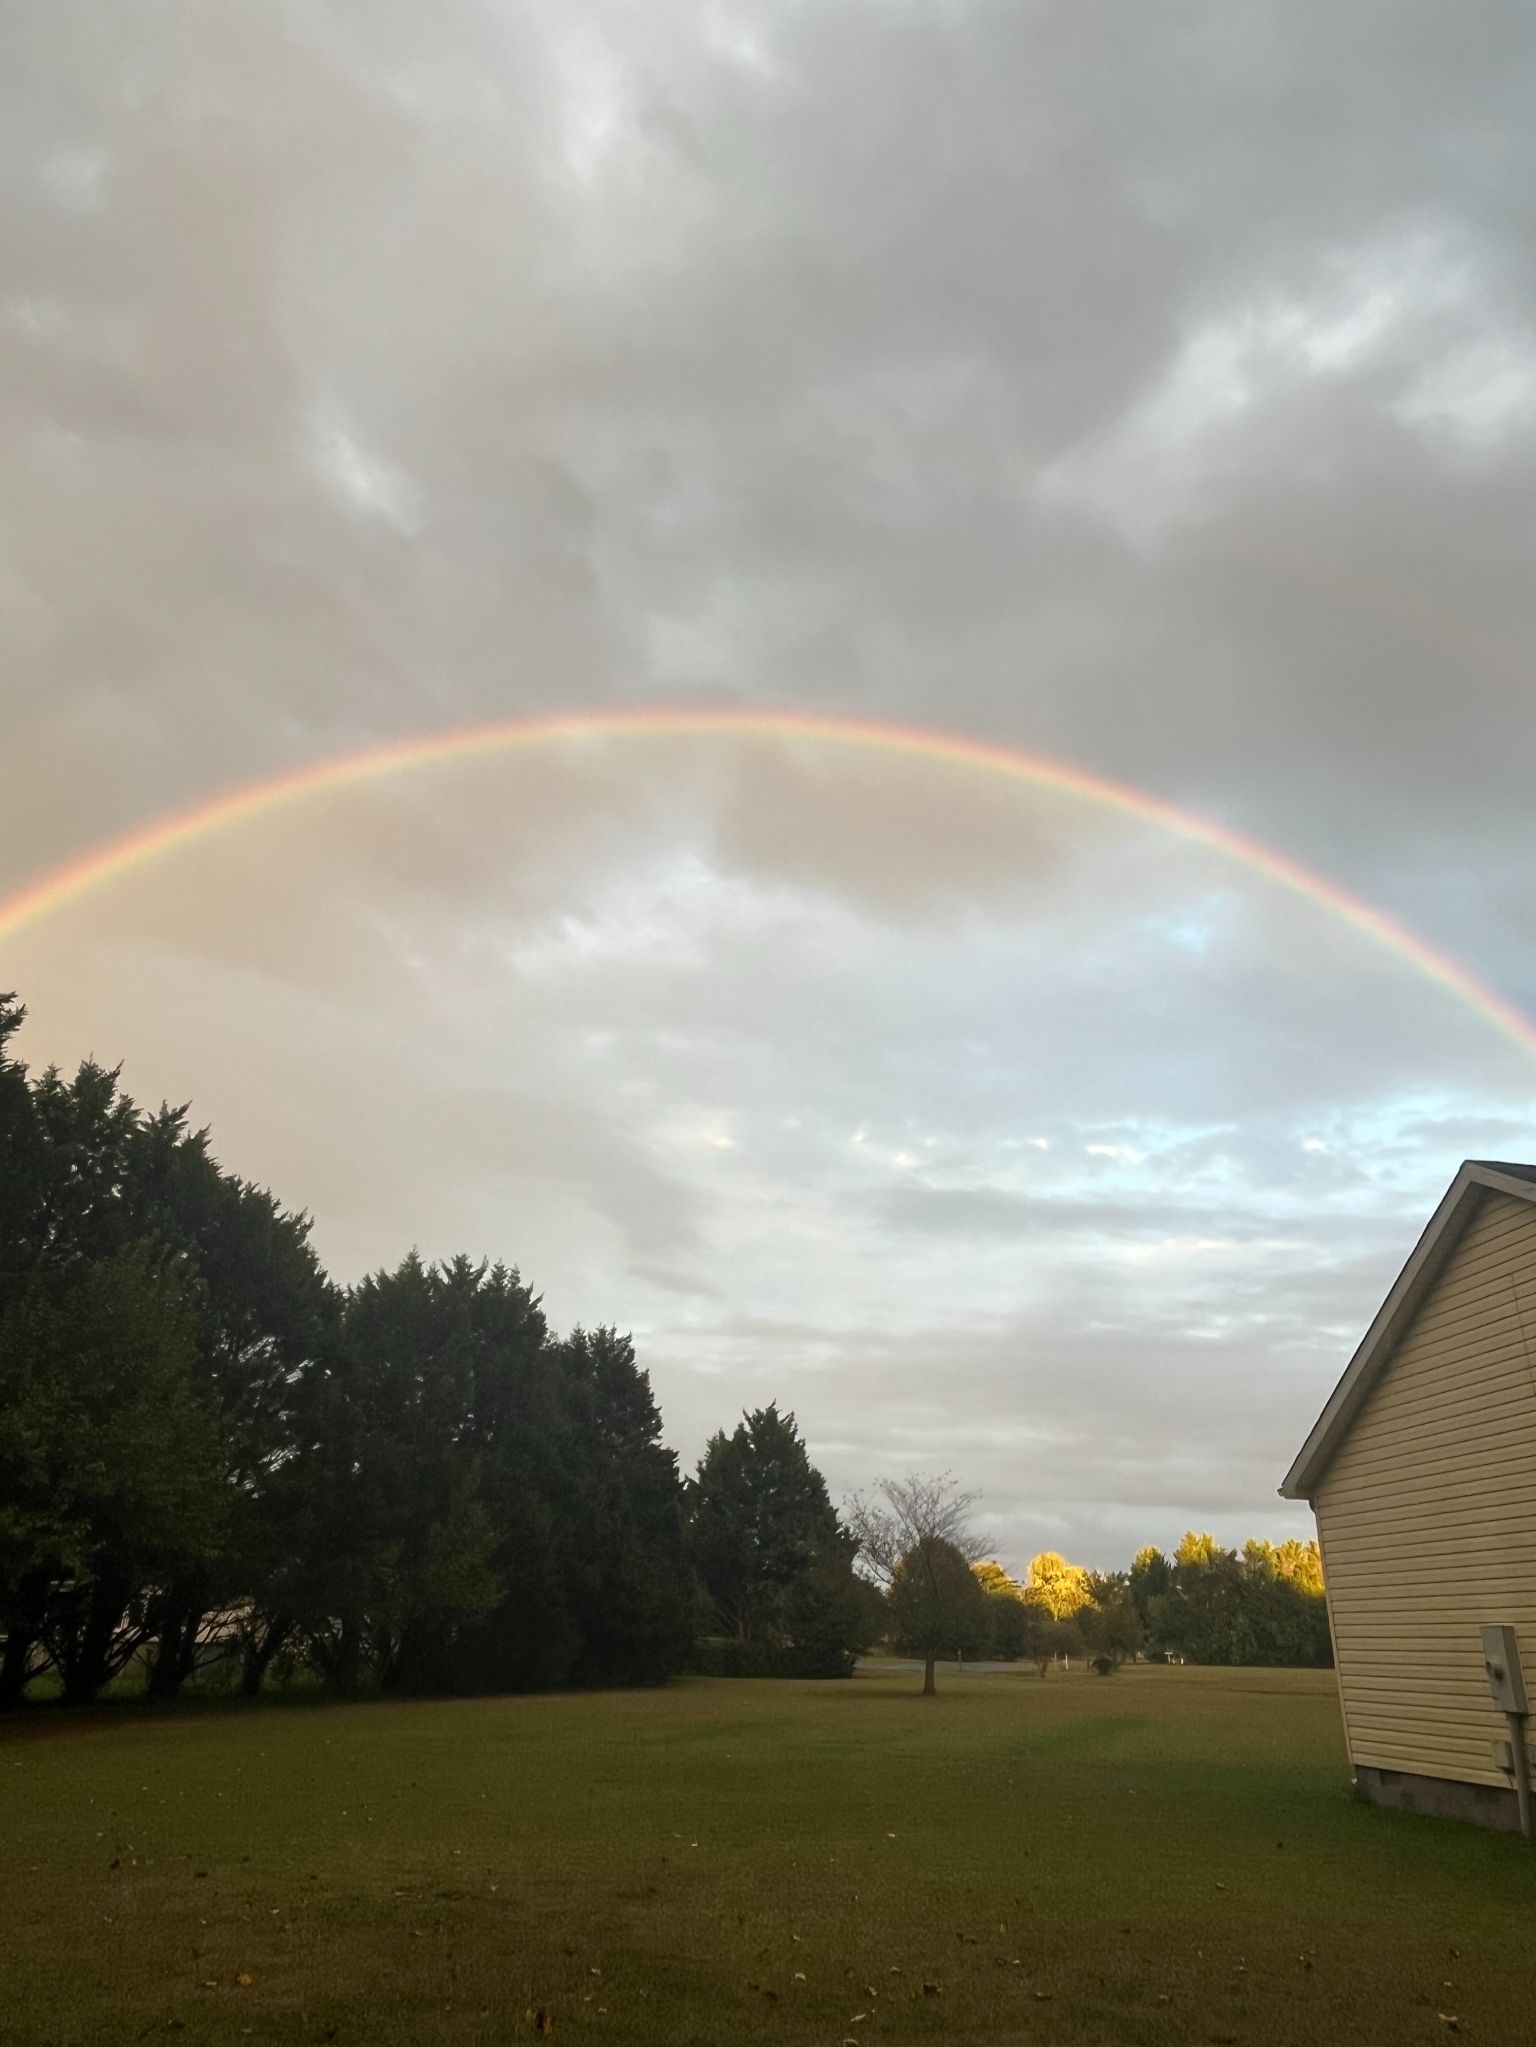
(1435, 1245)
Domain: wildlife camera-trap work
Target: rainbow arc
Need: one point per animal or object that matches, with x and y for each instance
(163, 837)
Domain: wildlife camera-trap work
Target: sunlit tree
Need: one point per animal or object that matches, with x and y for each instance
(1061, 1586)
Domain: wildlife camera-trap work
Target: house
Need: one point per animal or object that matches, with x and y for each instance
(1422, 1474)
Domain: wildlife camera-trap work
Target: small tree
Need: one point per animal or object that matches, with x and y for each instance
(1042, 1637)
(1110, 1624)
(935, 1603)
(911, 1535)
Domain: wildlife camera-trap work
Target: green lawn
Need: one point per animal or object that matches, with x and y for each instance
(1168, 1855)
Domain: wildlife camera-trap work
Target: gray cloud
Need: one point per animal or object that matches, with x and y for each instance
(1160, 397)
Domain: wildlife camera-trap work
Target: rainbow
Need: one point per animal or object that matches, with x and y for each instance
(167, 835)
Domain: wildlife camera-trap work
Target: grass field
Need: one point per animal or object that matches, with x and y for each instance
(1165, 1856)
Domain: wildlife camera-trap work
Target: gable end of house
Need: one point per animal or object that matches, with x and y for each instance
(1476, 1179)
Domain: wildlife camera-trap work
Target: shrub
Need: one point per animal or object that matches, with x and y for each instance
(724, 1656)
(1104, 1666)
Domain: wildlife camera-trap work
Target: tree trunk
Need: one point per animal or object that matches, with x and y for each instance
(258, 1655)
(24, 1631)
(930, 1689)
(175, 1653)
(88, 1662)
(346, 1673)
(15, 1663)
(391, 1657)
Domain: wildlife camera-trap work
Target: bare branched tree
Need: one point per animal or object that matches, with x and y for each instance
(916, 1541)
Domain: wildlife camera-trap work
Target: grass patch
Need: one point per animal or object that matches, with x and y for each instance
(1170, 1856)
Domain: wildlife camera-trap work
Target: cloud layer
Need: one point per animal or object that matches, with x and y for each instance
(1159, 396)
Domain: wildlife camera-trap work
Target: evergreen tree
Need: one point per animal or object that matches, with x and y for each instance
(111, 1463)
(769, 1549)
(632, 1588)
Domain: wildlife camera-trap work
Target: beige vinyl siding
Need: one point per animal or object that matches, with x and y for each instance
(1427, 1514)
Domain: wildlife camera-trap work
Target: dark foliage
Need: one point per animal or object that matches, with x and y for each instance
(1214, 1605)
(772, 1556)
(208, 1451)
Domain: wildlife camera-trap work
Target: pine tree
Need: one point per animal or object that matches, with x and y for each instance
(770, 1551)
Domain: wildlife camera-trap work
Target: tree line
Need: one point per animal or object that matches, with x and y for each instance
(210, 1452)
(1263, 1604)
(945, 1598)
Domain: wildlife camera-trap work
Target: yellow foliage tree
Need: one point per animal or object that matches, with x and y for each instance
(1302, 1561)
(1061, 1586)
(995, 1581)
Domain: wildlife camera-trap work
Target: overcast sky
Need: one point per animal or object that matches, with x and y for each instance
(1154, 388)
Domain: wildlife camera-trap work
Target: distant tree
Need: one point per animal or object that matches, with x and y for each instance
(1151, 1574)
(769, 1548)
(910, 1532)
(1152, 1577)
(1110, 1624)
(1263, 1606)
(1302, 1564)
(1007, 1623)
(1045, 1638)
(935, 1604)
(1061, 1586)
(995, 1581)
(1282, 1590)
(1151, 1585)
